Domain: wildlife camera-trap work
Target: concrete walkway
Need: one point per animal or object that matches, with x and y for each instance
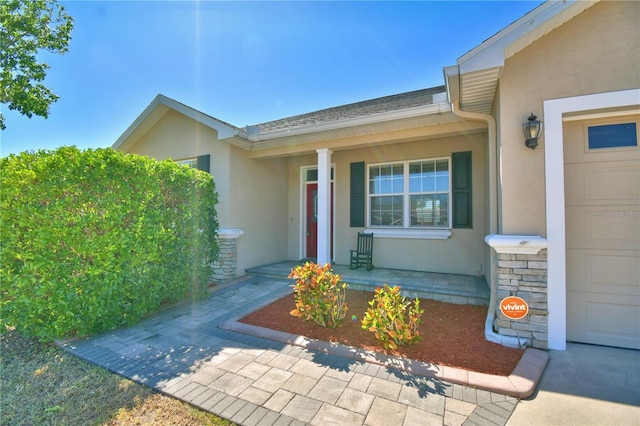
(249, 380)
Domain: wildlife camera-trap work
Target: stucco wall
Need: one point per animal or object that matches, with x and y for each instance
(595, 52)
(463, 253)
(258, 205)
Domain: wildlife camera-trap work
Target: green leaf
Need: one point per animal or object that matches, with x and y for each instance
(79, 255)
(27, 28)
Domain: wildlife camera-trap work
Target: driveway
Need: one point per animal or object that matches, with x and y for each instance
(585, 385)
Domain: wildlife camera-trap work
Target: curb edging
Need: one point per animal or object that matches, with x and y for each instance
(521, 383)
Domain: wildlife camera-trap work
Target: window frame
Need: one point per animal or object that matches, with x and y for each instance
(406, 227)
(189, 162)
(628, 117)
(594, 126)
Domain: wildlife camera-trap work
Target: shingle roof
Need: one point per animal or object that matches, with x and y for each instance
(356, 110)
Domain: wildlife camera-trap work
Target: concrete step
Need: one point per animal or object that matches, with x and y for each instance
(452, 288)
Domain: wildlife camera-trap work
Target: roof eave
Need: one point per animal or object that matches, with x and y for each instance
(474, 80)
(138, 122)
(156, 109)
(437, 108)
(452, 80)
(493, 51)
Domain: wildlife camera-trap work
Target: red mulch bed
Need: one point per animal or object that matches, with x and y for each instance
(452, 335)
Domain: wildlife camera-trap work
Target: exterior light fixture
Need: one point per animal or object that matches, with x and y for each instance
(531, 130)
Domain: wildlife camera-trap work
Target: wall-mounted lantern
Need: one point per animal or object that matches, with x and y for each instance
(531, 130)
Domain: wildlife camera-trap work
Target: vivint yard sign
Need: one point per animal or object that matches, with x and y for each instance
(514, 307)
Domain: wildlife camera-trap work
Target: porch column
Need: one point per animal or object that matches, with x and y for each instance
(324, 205)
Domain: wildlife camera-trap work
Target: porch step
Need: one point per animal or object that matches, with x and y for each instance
(452, 288)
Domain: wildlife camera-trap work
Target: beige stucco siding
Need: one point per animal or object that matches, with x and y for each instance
(463, 253)
(595, 52)
(258, 205)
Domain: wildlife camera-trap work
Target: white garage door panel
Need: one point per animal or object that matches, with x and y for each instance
(598, 271)
(612, 226)
(602, 319)
(602, 211)
(598, 183)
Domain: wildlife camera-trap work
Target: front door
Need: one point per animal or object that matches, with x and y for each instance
(311, 219)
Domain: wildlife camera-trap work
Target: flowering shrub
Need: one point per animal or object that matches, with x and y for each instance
(319, 294)
(392, 319)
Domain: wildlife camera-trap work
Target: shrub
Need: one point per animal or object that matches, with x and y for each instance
(93, 240)
(319, 294)
(391, 318)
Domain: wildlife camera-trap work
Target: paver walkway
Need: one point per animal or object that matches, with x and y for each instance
(252, 381)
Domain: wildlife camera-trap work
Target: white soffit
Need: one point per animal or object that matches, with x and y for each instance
(480, 68)
(478, 90)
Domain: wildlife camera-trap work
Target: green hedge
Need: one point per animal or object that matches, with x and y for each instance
(96, 239)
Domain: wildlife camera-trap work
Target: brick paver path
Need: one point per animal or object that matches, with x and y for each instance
(252, 381)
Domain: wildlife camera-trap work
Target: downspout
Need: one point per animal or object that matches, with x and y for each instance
(493, 149)
(489, 334)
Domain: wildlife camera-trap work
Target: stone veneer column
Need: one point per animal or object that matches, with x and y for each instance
(521, 271)
(225, 267)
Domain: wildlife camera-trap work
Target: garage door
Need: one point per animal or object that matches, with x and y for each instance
(602, 196)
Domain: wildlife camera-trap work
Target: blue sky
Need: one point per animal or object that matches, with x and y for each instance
(245, 62)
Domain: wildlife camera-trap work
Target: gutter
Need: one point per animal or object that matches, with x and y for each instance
(437, 108)
(493, 149)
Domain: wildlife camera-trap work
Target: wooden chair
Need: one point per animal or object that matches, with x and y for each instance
(364, 253)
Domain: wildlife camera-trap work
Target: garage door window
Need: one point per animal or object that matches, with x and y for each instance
(613, 136)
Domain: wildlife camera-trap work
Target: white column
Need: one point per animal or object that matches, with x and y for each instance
(324, 205)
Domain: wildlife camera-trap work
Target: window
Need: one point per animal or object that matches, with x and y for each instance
(612, 136)
(201, 162)
(410, 194)
(311, 175)
(191, 162)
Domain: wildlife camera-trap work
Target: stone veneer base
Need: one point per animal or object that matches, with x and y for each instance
(521, 270)
(225, 267)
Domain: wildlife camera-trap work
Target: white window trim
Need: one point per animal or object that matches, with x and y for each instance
(408, 231)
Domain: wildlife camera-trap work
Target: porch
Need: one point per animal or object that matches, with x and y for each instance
(452, 288)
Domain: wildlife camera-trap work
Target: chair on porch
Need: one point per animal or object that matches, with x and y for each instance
(363, 255)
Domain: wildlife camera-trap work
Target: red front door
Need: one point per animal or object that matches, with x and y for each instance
(312, 220)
